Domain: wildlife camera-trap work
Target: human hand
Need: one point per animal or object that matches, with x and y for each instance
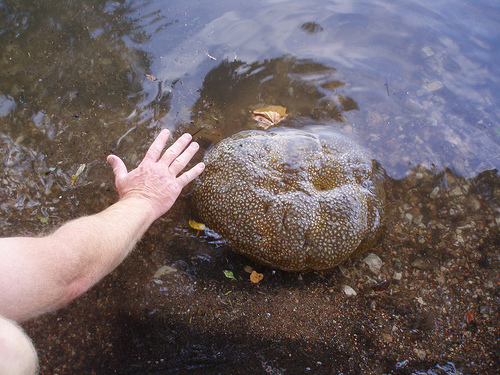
(155, 179)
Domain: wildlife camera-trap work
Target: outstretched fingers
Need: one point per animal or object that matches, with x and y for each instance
(191, 174)
(176, 149)
(157, 146)
(180, 162)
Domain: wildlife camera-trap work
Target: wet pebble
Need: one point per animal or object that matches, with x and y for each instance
(386, 337)
(434, 193)
(348, 290)
(422, 264)
(421, 354)
(373, 262)
(433, 86)
(455, 192)
(164, 270)
(473, 204)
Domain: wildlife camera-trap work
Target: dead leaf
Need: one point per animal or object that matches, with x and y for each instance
(81, 168)
(256, 277)
(152, 78)
(470, 316)
(198, 226)
(269, 116)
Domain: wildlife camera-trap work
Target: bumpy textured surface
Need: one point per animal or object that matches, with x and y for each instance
(295, 200)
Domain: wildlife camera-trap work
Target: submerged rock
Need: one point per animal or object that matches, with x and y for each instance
(295, 200)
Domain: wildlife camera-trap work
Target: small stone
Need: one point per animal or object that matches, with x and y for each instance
(418, 219)
(373, 262)
(344, 271)
(421, 301)
(457, 191)
(434, 193)
(386, 337)
(421, 354)
(347, 128)
(164, 270)
(473, 204)
(427, 51)
(422, 264)
(348, 290)
(450, 179)
(397, 275)
(433, 86)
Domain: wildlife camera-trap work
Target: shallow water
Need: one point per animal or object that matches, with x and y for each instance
(417, 82)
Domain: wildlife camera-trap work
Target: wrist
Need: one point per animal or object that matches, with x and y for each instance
(141, 207)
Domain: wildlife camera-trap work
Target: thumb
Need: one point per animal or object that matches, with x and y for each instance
(119, 168)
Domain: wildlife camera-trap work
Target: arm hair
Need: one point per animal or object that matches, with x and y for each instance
(38, 275)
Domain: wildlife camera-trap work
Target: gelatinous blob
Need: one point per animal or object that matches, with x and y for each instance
(296, 200)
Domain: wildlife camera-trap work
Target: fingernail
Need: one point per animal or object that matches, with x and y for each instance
(187, 136)
(201, 166)
(194, 145)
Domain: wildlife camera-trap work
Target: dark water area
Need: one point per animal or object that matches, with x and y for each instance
(418, 83)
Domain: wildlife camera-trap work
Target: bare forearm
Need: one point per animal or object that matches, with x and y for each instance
(96, 244)
(50, 271)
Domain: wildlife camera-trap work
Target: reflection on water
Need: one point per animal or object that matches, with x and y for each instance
(232, 90)
(418, 82)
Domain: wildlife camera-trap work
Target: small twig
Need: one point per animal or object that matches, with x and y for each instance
(211, 57)
(124, 135)
(387, 86)
(196, 132)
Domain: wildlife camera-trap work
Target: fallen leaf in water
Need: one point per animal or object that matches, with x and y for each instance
(150, 77)
(229, 274)
(198, 226)
(81, 168)
(269, 116)
(470, 316)
(256, 277)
